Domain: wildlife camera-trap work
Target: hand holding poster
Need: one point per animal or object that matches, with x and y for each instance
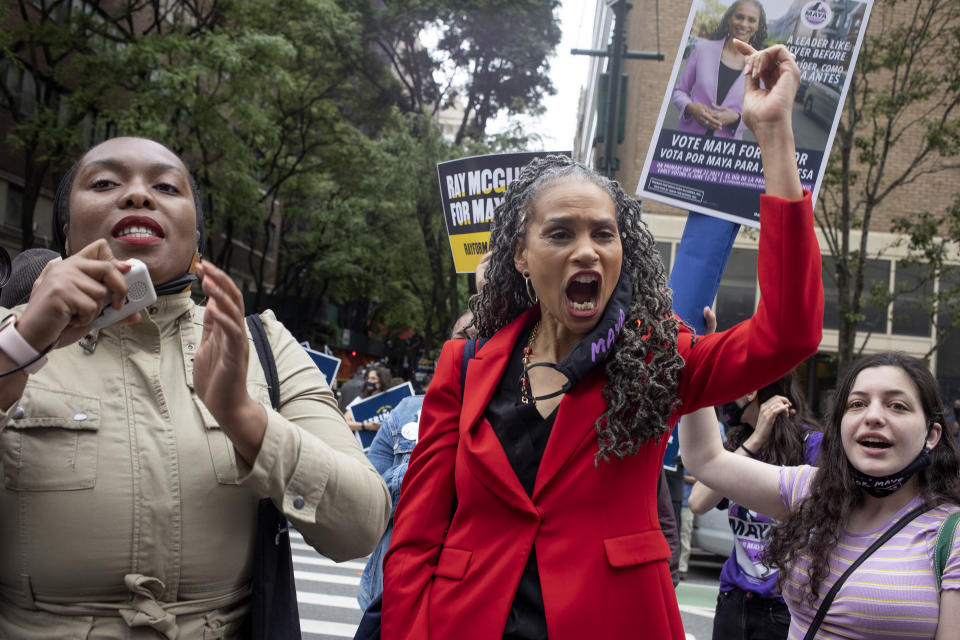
(702, 157)
(376, 408)
(470, 190)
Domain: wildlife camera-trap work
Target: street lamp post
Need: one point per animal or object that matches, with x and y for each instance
(609, 163)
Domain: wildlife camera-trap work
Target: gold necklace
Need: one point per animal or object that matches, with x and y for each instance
(526, 395)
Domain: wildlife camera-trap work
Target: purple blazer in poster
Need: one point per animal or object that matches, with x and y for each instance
(698, 83)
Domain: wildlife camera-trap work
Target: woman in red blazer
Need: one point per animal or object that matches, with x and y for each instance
(549, 459)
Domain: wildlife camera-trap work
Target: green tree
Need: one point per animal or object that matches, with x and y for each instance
(899, 122)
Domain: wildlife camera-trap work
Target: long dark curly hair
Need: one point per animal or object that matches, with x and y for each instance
(813, 527)
(786, 445)
(643, 368)
(722, 32)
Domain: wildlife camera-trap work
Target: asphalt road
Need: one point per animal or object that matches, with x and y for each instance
(697, 595)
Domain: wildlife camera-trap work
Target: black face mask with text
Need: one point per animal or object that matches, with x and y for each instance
(883, 486)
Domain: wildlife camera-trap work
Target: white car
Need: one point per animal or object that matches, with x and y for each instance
(711, 532)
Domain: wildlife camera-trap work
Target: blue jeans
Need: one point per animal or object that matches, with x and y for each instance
(743, 616)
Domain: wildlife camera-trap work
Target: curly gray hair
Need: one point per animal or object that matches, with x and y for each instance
(643, 369)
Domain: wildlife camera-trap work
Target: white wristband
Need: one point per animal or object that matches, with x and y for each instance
(16, 348)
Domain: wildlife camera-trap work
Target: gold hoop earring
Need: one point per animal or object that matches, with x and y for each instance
(531, 294)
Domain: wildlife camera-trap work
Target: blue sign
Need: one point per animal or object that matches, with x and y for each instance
(376, 408)
(328, 365)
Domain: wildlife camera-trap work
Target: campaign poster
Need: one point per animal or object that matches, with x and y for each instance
(328, 365)
(702, 157)
(470, 190)
(376, 408)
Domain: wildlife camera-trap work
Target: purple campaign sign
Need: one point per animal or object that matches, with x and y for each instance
(718, 171)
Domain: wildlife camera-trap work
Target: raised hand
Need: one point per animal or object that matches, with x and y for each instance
(767, 110)
(771, 103)
(769, 410)
(220, 365)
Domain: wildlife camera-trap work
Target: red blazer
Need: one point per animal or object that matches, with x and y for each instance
(600, 552)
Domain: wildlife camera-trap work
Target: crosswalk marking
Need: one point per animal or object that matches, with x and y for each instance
(326, 600)
(316, 576)
(319, 560)
(326, 592)
(322, 627)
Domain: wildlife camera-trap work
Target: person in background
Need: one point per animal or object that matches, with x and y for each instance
(668, 525)
(882, 461)
(134, 456)
(686, 526)
(375, 380)
(774, 424)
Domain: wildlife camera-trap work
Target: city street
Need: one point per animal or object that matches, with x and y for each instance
(326, 593)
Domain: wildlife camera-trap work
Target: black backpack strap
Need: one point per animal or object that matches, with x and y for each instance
(265, 352)
(828, 599)
(273, 613)
(469, 351)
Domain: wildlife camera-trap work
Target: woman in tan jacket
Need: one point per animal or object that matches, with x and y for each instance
(133, 460)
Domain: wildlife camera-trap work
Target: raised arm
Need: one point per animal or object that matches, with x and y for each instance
(702, 497)
(787, 326)
(748, 482)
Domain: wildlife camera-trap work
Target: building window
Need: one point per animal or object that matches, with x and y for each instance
(737, 295)
(948, 330)
(663, 248)
(13, 210)
(913, 289)
(876, 274)
(876, 277)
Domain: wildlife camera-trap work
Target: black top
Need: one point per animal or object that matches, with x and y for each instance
(523, 434)
(725, 79)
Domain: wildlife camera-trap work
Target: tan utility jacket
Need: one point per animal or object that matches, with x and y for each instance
(125, 510)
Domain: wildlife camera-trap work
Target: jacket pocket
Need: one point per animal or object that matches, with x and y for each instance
(636, 548)
(453, 563)
(50, 443)
(222, 454)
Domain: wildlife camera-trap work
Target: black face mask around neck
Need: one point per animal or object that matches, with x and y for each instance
(883, 486)
(594, 348)
(175, 286)
(733, 413)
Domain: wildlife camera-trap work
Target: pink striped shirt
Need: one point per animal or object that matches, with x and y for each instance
(893, 594)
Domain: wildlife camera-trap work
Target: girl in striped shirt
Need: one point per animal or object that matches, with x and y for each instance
(882, 456)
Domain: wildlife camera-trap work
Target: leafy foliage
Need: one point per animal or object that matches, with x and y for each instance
(310, 126)
(900, 122)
